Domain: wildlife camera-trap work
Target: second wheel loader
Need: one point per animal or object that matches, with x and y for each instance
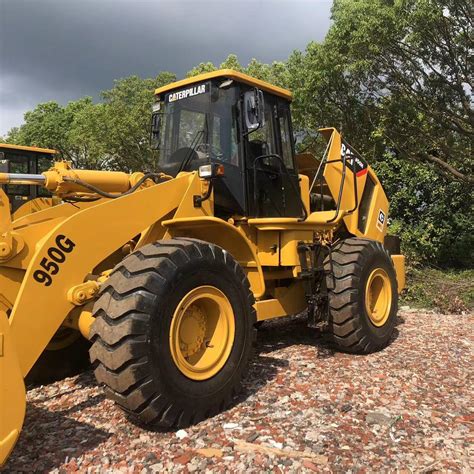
(168, 273)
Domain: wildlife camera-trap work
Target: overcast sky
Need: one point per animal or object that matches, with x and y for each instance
(64, 49)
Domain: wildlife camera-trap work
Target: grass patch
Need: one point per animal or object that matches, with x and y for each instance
(446, 291)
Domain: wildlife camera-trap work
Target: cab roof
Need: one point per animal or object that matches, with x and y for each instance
(228, 74)
(27, 148)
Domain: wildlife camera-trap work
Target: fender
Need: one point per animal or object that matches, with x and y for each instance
(227, 236)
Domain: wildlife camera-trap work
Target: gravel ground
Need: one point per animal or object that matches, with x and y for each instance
(408, 408)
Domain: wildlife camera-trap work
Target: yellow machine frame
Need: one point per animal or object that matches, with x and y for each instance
(52, 262)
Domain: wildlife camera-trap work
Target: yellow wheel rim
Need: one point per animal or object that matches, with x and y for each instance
(202, 333)
(378, 297)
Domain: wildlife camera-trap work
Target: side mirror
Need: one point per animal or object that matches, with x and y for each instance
(254, 110)
(155, 127)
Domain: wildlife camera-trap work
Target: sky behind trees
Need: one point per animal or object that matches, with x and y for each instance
(57, 50)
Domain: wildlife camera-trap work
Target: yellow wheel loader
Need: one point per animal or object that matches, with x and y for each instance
(168, 273)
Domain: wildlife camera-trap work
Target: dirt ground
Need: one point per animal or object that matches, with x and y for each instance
(305, 407)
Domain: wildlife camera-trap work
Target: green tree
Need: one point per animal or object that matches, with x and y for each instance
(120, 125)
(112, 134)
(407, 64)
(395, 77)
(201, 68)
(432, 214)
(51, 125)
(231, 62)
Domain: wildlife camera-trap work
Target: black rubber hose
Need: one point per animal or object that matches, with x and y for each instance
(96, 190)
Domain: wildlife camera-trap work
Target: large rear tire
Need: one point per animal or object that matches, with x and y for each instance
(174, 332)
(363, 297)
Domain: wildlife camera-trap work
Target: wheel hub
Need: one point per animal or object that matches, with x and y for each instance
(378, 297)
(192, 330)
(202, 333)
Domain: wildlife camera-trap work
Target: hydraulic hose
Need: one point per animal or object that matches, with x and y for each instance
(96, 190)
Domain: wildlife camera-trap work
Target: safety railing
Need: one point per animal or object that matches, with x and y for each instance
(319, 177)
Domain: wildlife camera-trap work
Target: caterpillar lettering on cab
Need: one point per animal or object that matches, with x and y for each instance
(187, 93)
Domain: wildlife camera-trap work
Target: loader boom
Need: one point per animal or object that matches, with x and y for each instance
(76, 246)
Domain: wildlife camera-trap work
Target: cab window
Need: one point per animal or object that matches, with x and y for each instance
(286, 139)
(191, 123)
(18, 164)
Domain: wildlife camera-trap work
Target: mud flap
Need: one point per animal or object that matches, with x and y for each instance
(12, 392)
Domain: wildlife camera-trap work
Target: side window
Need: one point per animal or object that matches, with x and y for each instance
(286, 145)
(19, 164)
(224, 126)
(234, 147)
(224, 138)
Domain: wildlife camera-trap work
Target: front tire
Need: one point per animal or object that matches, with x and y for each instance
(362, 296)
(174, 332)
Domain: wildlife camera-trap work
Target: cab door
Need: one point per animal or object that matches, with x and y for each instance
(272, 180)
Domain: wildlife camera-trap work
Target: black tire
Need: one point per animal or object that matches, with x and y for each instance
(350, 326)
(131, 349)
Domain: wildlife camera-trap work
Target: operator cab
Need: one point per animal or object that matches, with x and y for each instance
(24, 160)
(231, 119)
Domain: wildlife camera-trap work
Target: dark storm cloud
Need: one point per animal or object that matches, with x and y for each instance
(62, 50)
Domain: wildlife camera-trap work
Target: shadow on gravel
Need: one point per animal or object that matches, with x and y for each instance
(47, 432)
(273, 336)
(292, 331)
(400, 320)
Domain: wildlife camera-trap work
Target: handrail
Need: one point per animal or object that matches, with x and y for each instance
(325, 161)
(341, 188)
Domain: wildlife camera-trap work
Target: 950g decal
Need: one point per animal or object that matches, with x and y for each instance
(50, 265)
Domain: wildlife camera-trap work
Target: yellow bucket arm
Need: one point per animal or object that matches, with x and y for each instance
(12, 391)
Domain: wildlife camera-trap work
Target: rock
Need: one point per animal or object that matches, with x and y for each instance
(231, 426)
(150, 457)
(210, 452)
(275, 444)
(377, 418)
(184, 458)
(181, 434)
(252, 437)
(328, 410)
(158, 467)
(309, 465)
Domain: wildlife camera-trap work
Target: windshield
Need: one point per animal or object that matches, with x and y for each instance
(198, 125)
